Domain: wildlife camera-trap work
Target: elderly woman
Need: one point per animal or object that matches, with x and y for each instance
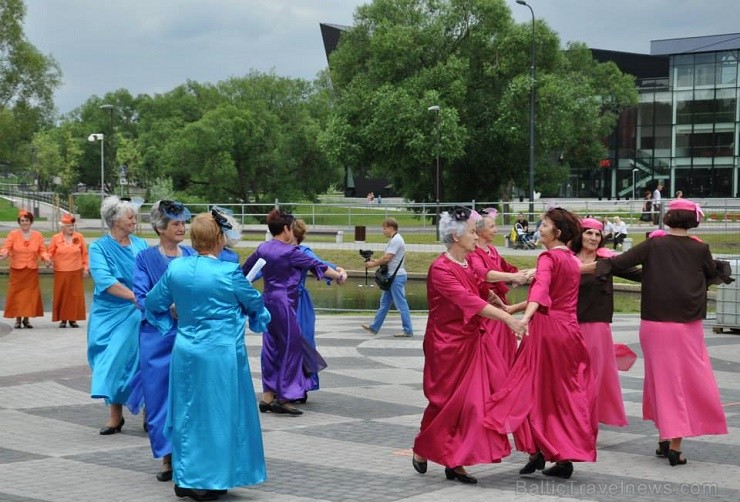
(462, 361)
(232, 236)
(491, 267)
(69, 257)
(167, 218)
(547, 399)
(115, 318)
(595, 311)
(25, 247)
(283, 356)
(680, 393)
(212, 419)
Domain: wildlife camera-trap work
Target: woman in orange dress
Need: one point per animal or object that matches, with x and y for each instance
(68, 253)
(25, 247)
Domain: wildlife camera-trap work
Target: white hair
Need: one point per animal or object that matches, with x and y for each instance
(449, 228)
(113, 209)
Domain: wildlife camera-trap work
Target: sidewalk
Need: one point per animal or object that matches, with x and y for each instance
(352, 444)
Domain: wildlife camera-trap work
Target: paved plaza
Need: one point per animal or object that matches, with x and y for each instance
(352, 444)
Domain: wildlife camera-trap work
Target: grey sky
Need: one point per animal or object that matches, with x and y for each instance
(151, 46)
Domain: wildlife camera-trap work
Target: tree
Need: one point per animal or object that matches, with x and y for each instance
(472, 60)
(27, 83)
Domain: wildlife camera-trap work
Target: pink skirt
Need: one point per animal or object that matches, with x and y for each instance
(680, 392)
(609, 403)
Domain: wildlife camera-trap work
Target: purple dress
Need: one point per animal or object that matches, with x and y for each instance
(282, 344)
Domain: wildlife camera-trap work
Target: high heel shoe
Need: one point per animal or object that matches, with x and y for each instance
(419, 466)
(536, 463)
(663, 447)
(674, 458)
(461, 477)
(280, 408)
(196, 494)
(166, 473)
(107, 431)
(560, 470)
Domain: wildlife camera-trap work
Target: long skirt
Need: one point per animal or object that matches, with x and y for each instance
(680, 392)
(609, 402)
(69, 296)
(24, 294)
(548, 400)
(155, 353)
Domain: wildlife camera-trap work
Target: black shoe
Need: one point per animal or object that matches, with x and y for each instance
(280, 408)
(164, 475)
(63, 324)
(463, 478)
(301, 400)
(196, 494)
(663, 447)
(18, 324)
(674, 458)
(420, 467)
(536, 463)
(264, 406)
(73, 324)
(107, 431)
(26, 323)
(561, 470)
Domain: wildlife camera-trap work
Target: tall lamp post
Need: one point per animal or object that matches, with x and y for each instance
(633, 182)
(532, 117)
(436, 109)
(99, 136)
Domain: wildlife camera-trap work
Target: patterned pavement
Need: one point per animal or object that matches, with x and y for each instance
(352, 444)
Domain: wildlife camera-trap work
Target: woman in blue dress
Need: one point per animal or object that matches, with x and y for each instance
(212, 419)
(305, 311)
(168, 219)
(283, 362)
(113, 329)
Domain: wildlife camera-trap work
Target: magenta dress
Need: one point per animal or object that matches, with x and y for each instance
(548, 399)
(462, 366)
(283, 353)
(482, 260)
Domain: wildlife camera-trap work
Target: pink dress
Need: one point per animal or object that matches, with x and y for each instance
(462, 366)
(482, 260)
(548, 398)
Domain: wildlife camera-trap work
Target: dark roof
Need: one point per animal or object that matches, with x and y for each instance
(330, 34)
(709, 43)
(639, 65)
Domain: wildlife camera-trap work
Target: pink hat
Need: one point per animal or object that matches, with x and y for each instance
(475, 215)
(686, 205)
(490, 211)
(592, 223)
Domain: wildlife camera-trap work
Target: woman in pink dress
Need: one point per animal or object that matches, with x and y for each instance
(491, 267)
(680, 394)
(462, 363)
(548, 400)
(595, 311)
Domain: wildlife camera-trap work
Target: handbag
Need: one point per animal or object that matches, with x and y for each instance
(381, 276)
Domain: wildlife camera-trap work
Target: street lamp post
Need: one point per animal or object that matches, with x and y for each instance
(99, 136)
(633, 182)
(532, 117)
(436, 109)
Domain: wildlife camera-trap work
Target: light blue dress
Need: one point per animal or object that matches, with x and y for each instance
(212, 419)
(155, 348)
(113, 328)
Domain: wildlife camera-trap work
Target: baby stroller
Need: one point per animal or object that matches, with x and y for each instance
(523, 239)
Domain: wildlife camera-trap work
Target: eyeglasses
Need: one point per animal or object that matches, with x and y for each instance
(461, 213)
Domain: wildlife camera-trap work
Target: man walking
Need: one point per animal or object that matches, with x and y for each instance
(393, 258)
(656, 202)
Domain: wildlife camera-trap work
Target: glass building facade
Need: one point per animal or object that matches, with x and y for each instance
(684, 130)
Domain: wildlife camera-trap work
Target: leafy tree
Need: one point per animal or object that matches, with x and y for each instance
(469, 58)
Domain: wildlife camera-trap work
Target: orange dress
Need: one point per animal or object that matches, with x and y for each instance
(24, 294)
(70, 262)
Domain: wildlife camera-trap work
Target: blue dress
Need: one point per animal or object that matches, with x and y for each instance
(285, 370)
(228, 255)
(305, 311)
(155, 348)
(113, 328)
(212, 419)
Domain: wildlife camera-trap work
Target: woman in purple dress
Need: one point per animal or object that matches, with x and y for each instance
(283, 354)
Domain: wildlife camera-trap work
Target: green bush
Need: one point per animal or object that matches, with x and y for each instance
(88, 206)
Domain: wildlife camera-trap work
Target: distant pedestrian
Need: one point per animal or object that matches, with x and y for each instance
(392, 259)
(69, 256)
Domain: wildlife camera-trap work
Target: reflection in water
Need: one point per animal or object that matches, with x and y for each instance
(354, 295)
